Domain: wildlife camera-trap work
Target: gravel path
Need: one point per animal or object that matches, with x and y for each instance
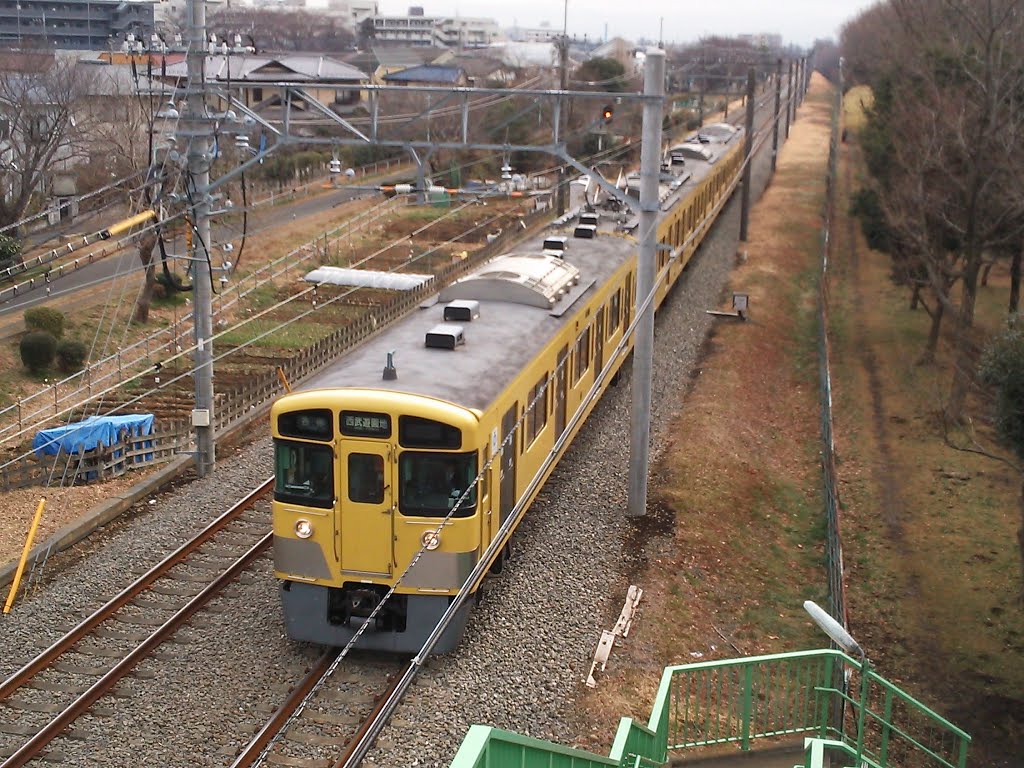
(528, 646)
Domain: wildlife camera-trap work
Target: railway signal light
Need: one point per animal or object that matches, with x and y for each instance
(607, 113)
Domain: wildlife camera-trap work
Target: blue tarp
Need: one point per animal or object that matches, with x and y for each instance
(91, 433)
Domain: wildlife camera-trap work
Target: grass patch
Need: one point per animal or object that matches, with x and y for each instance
(294, 336)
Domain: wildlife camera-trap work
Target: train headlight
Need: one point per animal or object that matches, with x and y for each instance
(431, 540)
(303, 528)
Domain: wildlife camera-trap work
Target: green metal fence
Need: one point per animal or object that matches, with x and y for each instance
(739, 701)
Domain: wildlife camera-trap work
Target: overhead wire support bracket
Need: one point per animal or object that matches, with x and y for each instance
(316, 105)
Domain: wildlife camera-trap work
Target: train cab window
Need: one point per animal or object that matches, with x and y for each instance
(366, 478)
(431, 484)
(303, 473)
(414, 432)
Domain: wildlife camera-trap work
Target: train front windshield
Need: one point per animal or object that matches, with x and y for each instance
(304, 473)
(430, 484)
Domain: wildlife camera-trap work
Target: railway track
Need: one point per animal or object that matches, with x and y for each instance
(325, 715)
(41, 701)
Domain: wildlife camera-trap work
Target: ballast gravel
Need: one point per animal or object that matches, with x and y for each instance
(528, 645)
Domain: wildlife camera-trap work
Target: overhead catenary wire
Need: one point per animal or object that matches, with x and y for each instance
(757, 147)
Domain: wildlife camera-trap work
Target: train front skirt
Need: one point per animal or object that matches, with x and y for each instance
(332, 616)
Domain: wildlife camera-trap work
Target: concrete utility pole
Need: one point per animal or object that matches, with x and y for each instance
(563, 82)
(643, 351)
(748, 148)
(778, 105)
(195, 131)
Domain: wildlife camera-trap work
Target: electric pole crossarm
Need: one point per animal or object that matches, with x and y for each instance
(236, 104)
(316, 105)
(256, 160)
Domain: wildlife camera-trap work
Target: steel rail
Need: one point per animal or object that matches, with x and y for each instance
(47, 657)
(362, 732)
(34, 746)
(254, 749)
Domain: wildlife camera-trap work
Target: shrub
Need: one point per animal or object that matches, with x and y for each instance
(45, 319)
(867, 206)
(10, 251)
(37, 350)
(1002, 368)
(71, 355)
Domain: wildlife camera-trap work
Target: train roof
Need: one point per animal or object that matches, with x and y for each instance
(517, 303)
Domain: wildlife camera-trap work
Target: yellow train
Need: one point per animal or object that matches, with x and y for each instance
(422, 419)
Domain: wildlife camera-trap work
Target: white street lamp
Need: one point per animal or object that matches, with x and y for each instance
(845, 640)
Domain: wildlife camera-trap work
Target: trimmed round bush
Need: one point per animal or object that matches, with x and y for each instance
(37, 350)
(71, 355)
(45, 319)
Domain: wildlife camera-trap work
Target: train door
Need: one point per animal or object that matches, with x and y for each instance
(560, 391)
(507, 490)
(367, 507)
(599, 343)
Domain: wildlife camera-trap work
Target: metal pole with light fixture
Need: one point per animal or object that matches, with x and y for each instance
(643, 350)
(196, 132)
(837, 632)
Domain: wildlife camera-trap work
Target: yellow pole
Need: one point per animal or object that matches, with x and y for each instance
(284, 379)
(24, 555)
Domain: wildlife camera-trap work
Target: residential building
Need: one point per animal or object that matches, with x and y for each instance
(443, 31)
(541, 34)
(428, 74)
(332, 83)
(90, 25)
(352, 12)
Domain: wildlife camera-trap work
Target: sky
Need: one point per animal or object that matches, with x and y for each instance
(799, 22)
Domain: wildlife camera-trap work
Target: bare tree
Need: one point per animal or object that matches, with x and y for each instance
(40, 95)
(948, 155)
(122, 142)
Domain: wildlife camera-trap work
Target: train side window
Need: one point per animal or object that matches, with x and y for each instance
(627, 302)
(366, 478)
(537, 418)
(614, 307)
(485, 476)
(582, 356)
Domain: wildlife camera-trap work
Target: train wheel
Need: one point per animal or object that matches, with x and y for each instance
(499, 562)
